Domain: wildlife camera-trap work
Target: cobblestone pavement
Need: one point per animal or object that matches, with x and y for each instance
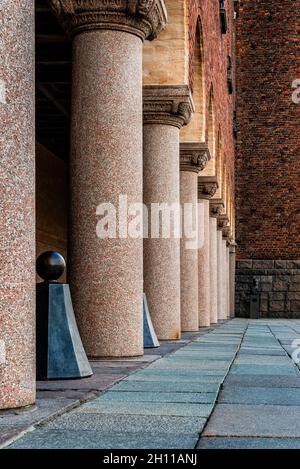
(234, 386)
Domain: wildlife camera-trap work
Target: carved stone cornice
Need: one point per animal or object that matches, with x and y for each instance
(168, 105)
(207, 187)
(143, 18)
(193, 156)
(223, 221)
(216, 207)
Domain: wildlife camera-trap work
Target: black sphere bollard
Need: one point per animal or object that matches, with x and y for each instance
(60, 353)
(50, 266)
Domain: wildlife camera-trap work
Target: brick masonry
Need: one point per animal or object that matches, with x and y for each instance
(278, 287)
(268, 138)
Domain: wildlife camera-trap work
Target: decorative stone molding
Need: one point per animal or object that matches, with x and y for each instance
(207, 187)
(168, 105)
(216, 207)
(193, 156)
(143, 18)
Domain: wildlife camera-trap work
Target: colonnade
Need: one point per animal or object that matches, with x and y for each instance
(125, 139)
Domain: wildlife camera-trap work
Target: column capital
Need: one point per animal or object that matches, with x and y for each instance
(216, 207)
(223, 221)
(193, 156)
(207, 187)
(168, 105)
(226, 233)
(143, 18)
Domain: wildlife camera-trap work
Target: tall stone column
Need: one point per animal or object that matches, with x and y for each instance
(106, 162)
(225, 233)
(215, 211)
(166, 110)
(220, 274)
(207, 187)
(193, 158)
(225, 279)
(17, 205)
(232, 260)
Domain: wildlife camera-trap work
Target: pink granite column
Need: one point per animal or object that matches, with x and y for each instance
(213, 270)
(207, 187)
(106, 275)
(220, 275)
(193, 158)
(225, 284)
(166, 110)
(232, 260)
(17, 205)
(216, 206)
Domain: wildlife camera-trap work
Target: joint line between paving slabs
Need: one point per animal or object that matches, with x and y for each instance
(221, 386)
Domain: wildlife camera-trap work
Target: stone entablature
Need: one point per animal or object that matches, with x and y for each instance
(168, 105)
(207, 187)
(193, 156)
(278, 286)
(143, 18)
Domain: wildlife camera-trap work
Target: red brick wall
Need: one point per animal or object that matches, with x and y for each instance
(217, 47)
(268, 143)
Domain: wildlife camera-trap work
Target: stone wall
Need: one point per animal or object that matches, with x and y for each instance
(216, 48)
(278, 286)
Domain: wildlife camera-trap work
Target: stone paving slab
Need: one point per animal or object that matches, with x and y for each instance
(260, 351)
(146, 408)
(264, 381)
(166, 386)
(254, 421)
(261, 369)
(249, 443)
(179, 378)
(108, 423)
(57, 439)
(259, 396)
(262, 360)
(189, 397)
(170, 364)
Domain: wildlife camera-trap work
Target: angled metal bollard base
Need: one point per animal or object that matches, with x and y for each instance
(150, 338)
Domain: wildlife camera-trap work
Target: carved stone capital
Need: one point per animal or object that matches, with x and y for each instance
(169, 105)
(216, 207)
(193, 156)
(226, 233)
(223, 221)
(143, 18)
(207, 187)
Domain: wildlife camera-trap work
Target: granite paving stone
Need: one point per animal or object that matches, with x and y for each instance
(146, 408)
(249, 443)
(253, 420)
(261, 369)
(166, 386)
(278, 381)
(108, 423)
(205, 398)
(58, 439)
(260, 395)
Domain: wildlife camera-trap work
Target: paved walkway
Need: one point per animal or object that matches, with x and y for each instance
(234, 387)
